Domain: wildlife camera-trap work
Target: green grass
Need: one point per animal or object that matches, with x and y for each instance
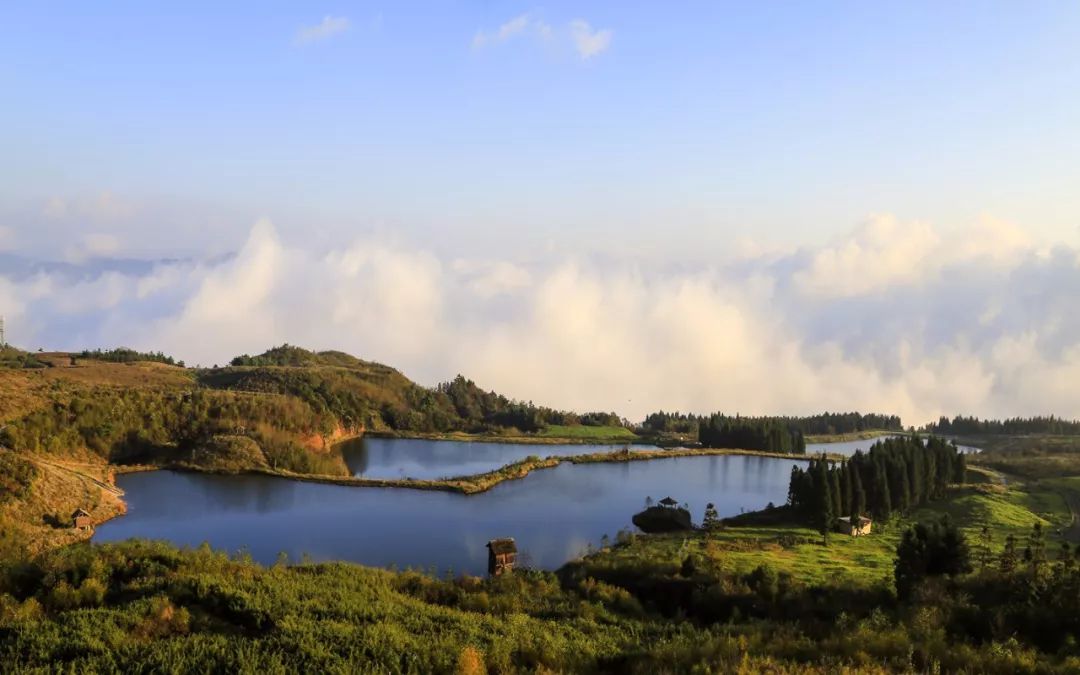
(583, 432)
(864, 435)
(846, 561)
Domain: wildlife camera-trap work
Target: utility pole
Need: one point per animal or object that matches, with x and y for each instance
(3, 342)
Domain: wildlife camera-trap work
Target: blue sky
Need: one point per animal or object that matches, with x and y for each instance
(695, 122)
(793, 206)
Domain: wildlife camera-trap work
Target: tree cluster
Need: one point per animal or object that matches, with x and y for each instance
(772, 434)
(894, 476)
(480, 410)
(125, 355)
(929, 549)
(1015, 426)
(824, 424)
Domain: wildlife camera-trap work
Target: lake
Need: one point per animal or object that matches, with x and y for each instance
(554, 514)
(370, 457)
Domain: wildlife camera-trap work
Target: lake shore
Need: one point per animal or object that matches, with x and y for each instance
(518, 439)
(482, 482)
(465, 485)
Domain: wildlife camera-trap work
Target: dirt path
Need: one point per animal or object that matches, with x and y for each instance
(1072, 532)
(59, 489)
(71, 467)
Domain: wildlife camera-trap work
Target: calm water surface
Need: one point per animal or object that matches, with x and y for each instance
(411, 458)
(554, 513)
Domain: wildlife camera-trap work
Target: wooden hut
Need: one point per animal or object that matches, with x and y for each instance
(80, 520)
(502, 555)
(858, 528)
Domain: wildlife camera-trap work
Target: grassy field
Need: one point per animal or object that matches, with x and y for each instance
(589, 433)
(847, 561)
(865, 435)
(23, 390)
(43, 517)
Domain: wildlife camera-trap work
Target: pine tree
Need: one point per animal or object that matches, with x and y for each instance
(712, 518)
(1008, 555)
(847, 503)
(858, 495)
(1035, 553)
(825, 513)
(836, 492)
(882, 499)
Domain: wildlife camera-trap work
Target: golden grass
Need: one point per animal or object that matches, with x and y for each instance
(59, 489)
(24, 390)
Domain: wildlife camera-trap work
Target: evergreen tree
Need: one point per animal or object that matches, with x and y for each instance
(1035, 553)
(847, 504)
(712, 518)
(825, 514)
(858, 495)
(836, 492)
(929, 549)
(1008, 555)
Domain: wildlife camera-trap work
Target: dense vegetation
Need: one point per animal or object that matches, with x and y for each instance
(10, 357)
(771, 434)
(279, 411)
(125, 355)
(824, 424)
(16, 475)
(895, 476)
(141, 606)
(136, 425)
(973, 426)
(372, 396)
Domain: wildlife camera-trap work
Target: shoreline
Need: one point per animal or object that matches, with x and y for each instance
(483, 482)
(462, 437)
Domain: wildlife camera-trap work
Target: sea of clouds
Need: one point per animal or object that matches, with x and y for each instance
(893, 317)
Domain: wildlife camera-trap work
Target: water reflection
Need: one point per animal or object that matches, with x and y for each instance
(554, 513)
(370, 457)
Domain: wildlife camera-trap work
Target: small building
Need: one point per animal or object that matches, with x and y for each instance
(80, 520)
(859, 528)
(668, 502)
(502, 556)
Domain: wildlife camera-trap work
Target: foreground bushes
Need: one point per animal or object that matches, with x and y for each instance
(143, 607)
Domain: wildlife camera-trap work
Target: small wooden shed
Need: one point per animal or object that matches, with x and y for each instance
(80, 520)
(858, 528)
(502, 555)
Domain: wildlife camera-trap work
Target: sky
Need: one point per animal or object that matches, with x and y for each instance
(749, 207)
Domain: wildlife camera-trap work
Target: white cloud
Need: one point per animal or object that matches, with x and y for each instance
(589, 42)
(585, 41)
(934, 327)
(878, 256)
(92, 245)
(515, 27)
(327, 28)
